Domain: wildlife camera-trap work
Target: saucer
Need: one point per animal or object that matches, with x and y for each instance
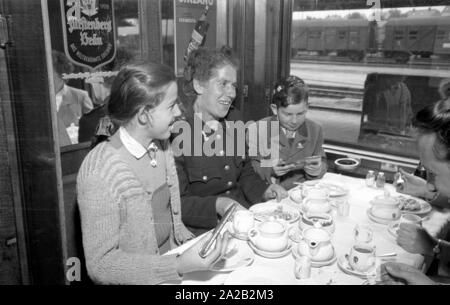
(345, 266)
(268, 254)
(379, 220)
(316, 264)
(392, 229)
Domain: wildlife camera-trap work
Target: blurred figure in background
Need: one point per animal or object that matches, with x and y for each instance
(71, 103)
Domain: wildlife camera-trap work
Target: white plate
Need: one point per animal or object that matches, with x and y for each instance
(255, 275)
(379, 220)
(237, 257)
(345, 266)
(334, 189)
(264, 211)
(392, 229)
(316, 264)
(268, 254)
(425, 207)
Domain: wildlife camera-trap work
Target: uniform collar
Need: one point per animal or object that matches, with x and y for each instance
(134, 147)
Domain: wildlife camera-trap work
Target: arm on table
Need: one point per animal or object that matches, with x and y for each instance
(106, 262)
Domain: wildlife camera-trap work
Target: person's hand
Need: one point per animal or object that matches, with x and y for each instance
(281, 169)
(415, 239)
(393, 273)
(275, 191)
(224, 203)
(414, 186)
(190, 260)
(313, 168)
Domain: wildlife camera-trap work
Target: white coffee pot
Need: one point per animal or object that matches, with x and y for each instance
(385, 207)
(316, 244)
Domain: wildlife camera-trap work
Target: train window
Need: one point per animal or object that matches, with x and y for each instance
(440, 35)
(398, 34)
(366, 86)
(413, 35)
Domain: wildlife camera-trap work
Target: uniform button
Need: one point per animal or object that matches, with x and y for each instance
(221, 153)
(219, 137)
(175, 211)
(205, 178)
(228, 192)
(230, 183)
(227, 167)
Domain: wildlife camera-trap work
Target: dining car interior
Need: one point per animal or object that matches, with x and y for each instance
(353, 188)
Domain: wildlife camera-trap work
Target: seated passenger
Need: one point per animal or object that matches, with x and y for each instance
(433, 126)
(210, 183)
(128, 191)
(298, 137)
(71, 103)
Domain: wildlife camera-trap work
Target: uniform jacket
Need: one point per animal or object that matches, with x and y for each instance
(203, 179)
(305, 144)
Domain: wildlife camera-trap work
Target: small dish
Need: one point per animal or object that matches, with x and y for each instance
(316, 264)
(345, 266)
(346, 164)
(267, 254)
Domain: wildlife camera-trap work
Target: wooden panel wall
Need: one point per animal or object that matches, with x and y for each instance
(38, 154)
(9, 256)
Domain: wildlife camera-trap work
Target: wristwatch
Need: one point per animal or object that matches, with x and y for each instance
(437, 248)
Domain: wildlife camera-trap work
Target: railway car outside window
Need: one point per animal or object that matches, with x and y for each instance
(384, 65)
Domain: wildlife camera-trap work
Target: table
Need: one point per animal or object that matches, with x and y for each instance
(358, 198)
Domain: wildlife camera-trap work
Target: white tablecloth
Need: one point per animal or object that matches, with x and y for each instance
(358, 198)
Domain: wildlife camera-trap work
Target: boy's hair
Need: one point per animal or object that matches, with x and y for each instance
(289, 91)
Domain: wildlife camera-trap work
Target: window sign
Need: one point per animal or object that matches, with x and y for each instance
(89, 36)
(190, 15)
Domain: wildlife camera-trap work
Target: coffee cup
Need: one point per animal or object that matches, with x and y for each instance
(243, 221)
(362, 257)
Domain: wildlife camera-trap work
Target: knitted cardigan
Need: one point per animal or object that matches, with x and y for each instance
(119, 238)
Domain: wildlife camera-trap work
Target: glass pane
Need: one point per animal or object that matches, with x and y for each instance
(367, 82)
(81, 97)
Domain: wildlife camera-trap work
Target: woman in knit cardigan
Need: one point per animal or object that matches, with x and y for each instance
(128, 190)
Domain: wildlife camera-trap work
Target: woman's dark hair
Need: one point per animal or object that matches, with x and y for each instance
(202, 64)
(435, 119)
(137, 86)
(289, 91)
